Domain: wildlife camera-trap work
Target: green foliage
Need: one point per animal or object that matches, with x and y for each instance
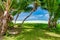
(16, 5)
(38, 31)
(53, 8)
(14, 13)
(11, 24)
(2, 5)
(28, 9)
(20, 6)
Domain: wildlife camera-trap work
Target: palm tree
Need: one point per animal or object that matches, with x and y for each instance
(5, 15)
(35, 4)
(22, 7)
(11, 6)
(28, 9)
(52, 6)
(56, 16)
(1, 13)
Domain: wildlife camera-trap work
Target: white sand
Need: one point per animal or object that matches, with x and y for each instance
(31, 21)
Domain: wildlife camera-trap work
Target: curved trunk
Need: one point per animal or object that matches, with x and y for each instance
(27, 17)
(34, 8)
(16, 17)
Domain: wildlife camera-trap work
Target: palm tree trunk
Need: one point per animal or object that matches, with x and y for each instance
(4, 23)
(54, 24)
(34, 8)
(49, 23)
(27, 17)
(17, 17)
(6, 18)
(4, 27)
(1, 17)
(0, 25)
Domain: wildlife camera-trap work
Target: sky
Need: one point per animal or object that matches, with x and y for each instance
(39, 14)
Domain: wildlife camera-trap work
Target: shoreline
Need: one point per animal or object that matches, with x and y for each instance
(37, 21)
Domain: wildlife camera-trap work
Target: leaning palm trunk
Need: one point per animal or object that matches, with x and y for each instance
(17, 17)
(34, 8)
(27, 16)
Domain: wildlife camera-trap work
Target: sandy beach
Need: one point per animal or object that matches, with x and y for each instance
(37, 21)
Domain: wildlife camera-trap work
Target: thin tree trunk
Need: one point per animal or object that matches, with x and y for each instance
(54, 24)
(27, 17)
(34, 8)
(49, 23)
(17, 17)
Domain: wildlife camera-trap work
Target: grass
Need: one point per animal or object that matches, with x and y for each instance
(36, 32)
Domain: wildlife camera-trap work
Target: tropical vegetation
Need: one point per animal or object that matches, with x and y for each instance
(10, 8)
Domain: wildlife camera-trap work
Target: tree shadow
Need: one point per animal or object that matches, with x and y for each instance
(35, 32)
